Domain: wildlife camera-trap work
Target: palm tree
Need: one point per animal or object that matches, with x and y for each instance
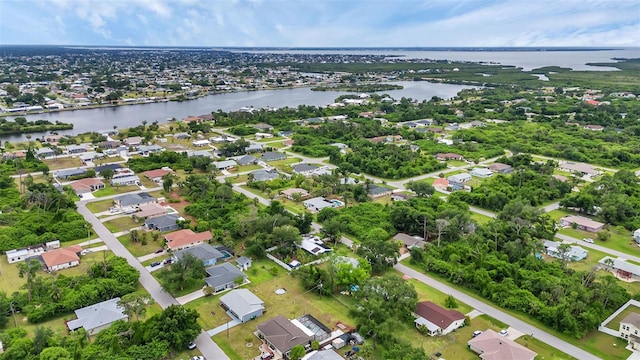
(28, 269)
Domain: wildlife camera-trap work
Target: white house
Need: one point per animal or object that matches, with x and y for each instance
(318, 203)
(481, 172)
(629, 330)
(437, 320)
(203, 142)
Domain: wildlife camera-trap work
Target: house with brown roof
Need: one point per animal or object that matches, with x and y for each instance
(491, 346)
(149, 210)
(156, 175)
(87, 185)
(448, 156)
(290, 193)
(582, 223)
(436, 319)
(186, 238)
(500, 168)
(441, 184)
(282, 335)
(630, 330)
(62, 258)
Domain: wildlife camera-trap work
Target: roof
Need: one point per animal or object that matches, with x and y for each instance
(318, 203)
(579, 167)
(265, 175)
(158, 173)
(459, 177)
(292, 191)
(441, 182)
(437, 315)
(247, 159)
(150, 148)
(376, 190)
(134, 199)
(184, 237)
(224, 164)
(204, 252)
(633, 319)
(498, 167)
(85, 183)
(125, 179)
(97, 315)
(272, 155)
(495, 347)
(70, 172)
(481, 171)
(582, 221)
(61, 256)
(242, 302)
(151, 209)
(299, 168)
(408, 240)
(283, 334)
(574, 251)
(242, 260)
(262, 126)
(101, 168)
(314, 247)
(621, 265)
(162, 221)
(322, 355)
(223, 274)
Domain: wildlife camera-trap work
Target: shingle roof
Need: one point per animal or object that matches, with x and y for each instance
(272, 156)
(495, 347)
(180, 238)
(61, 256)
(282, 334)
(223, 274)
(437, 315)
(633, 319)
(162, 221)
(133, 199)
(97, 315)
(204, 252)
(299, 168)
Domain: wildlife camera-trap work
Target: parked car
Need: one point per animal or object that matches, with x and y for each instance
(168, 261)
(588, 240)
(503, 332)
(349, 353)
(198, 358)
(155, 263)
(476, 333)
(191, 345)
(159, 251)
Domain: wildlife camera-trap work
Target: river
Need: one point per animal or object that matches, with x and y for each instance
(132, 115)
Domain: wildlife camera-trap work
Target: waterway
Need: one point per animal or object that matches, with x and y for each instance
(105, 118)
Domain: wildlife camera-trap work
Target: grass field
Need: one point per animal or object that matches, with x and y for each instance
(244, 168)
(481, 219)
(137, 249)
(121, 224)
(100, 206)
(63, 163)
(114, 190)
(544, 351)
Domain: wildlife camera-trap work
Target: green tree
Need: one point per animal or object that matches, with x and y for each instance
(135, 304)
(422, 188)
(450, 302)
(297, 352)
(332, 230)
(28, 270)
(187, 271)
(167, 182)
(285, 237)
(55, 353)
(107, 174)
(176, 324)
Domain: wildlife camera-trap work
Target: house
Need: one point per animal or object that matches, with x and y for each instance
(252, 148)
(305, 169)
(205, 252)
(247, 160)
(244, 263)
(441, 184)
(282, 335)
(438, 320)
(62, 258)
(114, 167)
(481, 172)
(156, 175)
(50, 245)
(291, 193)
(636, 236)
(224, 276)
(260, 135)
(620, 268)
(401, 196)
(149, 210)
(242, 304)
(318, 203)
(329, 354)
(133, 141)
(285, 133)
(340, 146)
(575, 253)
(19, 154)
(88, 185)
(492, 346)
(581, 223)
(264, 175)
(376, 191)
(629, 327)
(457, 181)
(448, 156)
(186, 238)
(109, 144)
(201, 142)
(76, 149)
(593, 127)
(125, 180)
(200, 153)
(45, 152)
(273, 156)
(162, 223)
(313, 245)
(580, 168)
(16, 255)
(409, 241)
(149, 149)
(182, 135)
(69, 173)
(263, 127)
(224, 165)
(97, 317)
(89, 156)
(500, 168)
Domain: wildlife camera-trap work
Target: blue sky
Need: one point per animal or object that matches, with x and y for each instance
(321, 23)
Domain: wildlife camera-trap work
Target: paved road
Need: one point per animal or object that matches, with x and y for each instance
(572, 240)
(205, 344)
(500, 315)
(551, 207)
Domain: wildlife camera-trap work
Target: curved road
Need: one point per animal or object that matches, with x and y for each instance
(205, 344)
(500, 315)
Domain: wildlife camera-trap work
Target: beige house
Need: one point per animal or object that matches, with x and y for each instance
(491, 346)
(629, 329)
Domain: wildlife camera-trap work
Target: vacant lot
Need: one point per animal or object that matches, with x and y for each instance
(62, 163)
(121, 224)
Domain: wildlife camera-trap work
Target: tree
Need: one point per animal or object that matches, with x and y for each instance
(332, 230)
(441, 227)
(28, 269)
(285, 238)
(422, 188)
(107, 174)
(297, 352)
(55, 353)
(450, 302)
(346, 275)
(135, 304)
(187, 271)
(167, 182)
(176, 324)
(134, 235)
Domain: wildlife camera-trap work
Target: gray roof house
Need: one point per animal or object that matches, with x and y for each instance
(97, 317)
(264, 175)
(205, 252)
(263, 127)
(243, 262)
(223, 276)
(44, 152)
(273, 156)
(253, 148)
(135, 200)
(304, 168)
(149, 149)
(247, 160)
(243, 304)
(67, 173)
(225, 164)
(377, 191)
(163, 222)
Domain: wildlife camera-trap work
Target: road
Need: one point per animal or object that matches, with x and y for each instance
(205, 344)
(608, 251)
(500, 315)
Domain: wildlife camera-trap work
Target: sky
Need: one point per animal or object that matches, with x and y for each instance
(321, 23)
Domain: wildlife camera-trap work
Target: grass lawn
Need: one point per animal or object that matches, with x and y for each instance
(426, 292)
(115, 190)
(266, 140)
(287, 161)
(137, 249)
(456, 163)
(10, 282)
(384, 200)
(615, 323)
(238, 179)
(620, 239)
(277, 145)
(121, 224)
(559, 214)
(595, 342)
(544, 351)
(244, 168)
(148, 183)
(481, 219)
(108, 160)
(63, 163)
(100, 206)
(587, 264)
